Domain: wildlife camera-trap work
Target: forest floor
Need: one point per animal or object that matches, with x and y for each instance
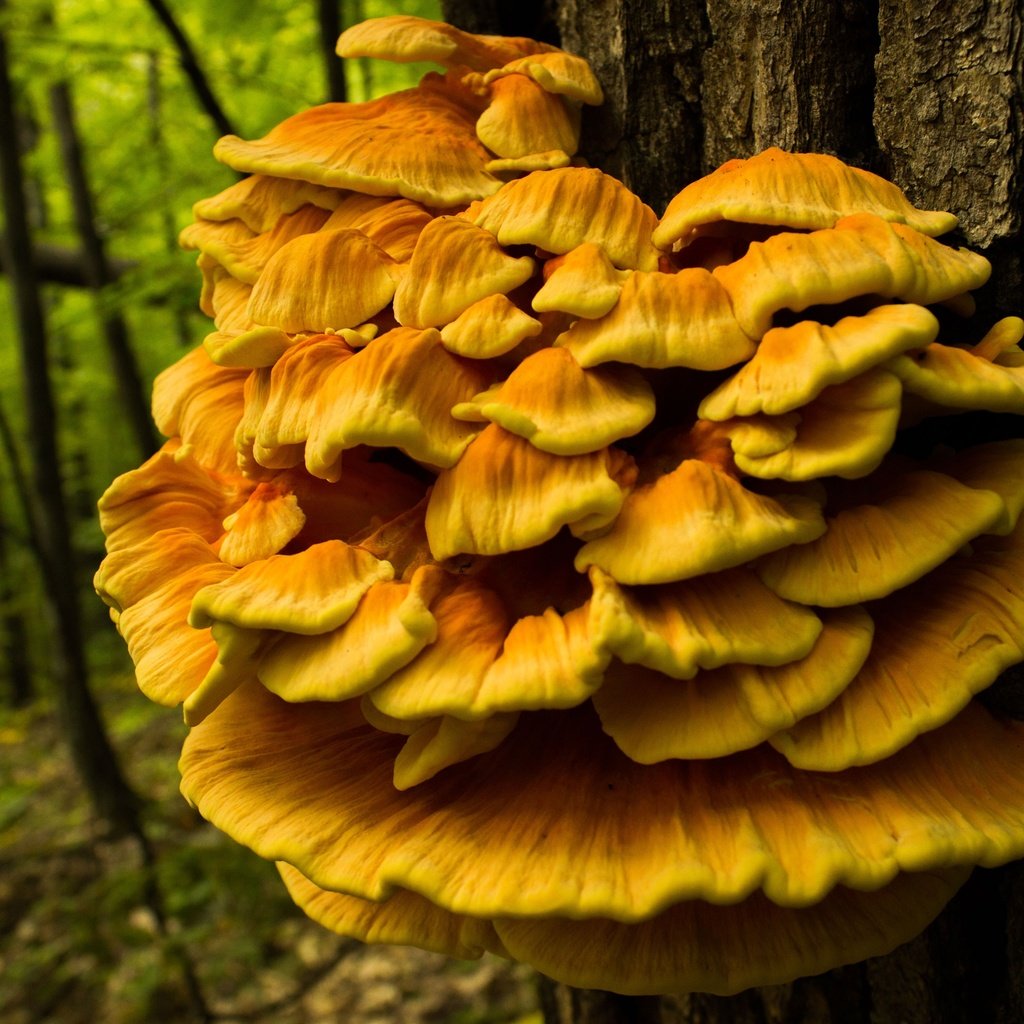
(80, 941)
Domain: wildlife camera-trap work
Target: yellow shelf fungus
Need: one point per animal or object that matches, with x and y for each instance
(533, 634)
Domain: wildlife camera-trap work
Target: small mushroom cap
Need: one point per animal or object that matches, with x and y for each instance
(524, 118)
(861, 255)
(937, 643)
(200, 403)
(793, 365)
(696, 520)
(504, 495)
(446, 741)
(260, 201)
(396, 392)
(393, 224)
(678, 629)
(283, 406)
(313, 591)
(472, 624)
(660, 320)
(171, 659)
(561, 73)
(391, 624)
(653, 718)
(795, 190)
(560, 209)
(543, 661)
(387, 147)
(245, 257)
(170, 490)
(252, 349)
(268, 520)
(998, 467)
(623, 840)
(846, 431)
(583, 282)
(958, 378)
(490, 327)
(301, 287)
(561, 408)
(404, 38)
(454, 265)
(899, 533)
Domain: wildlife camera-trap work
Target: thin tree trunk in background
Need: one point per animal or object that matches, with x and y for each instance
(15, 626)
(190, 65)
(154, 97)
(329, 22)
(97, 271)
(94, 758)
(931, 96)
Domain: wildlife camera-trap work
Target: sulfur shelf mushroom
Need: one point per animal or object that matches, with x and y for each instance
(543, 579)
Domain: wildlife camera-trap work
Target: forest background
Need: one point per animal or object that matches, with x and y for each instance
(117, 903)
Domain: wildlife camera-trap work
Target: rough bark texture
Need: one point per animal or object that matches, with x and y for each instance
(929, 94)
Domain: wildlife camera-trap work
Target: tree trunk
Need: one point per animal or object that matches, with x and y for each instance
(97, 271)
(930, 95)
(190, 65)
(94, 758)
(328, 16)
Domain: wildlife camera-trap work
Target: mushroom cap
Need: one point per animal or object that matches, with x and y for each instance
(557, 72)
(693, 520)
(937, 643)
(406, 38)
(622, 851)
(386, 147)
(795, 190)
(905, 528)
(259, 201)
(299, 289)
(733, 707)
(844, 432)
(861, 255)
(679, 629)
(504, 494)
(793, 365)
(561, 209)
(523, 118)
(583, 282)
(661, 320)
(450, 249)
(489, 327)
(561, 408)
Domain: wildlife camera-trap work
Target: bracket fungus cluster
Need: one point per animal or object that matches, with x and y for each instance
(545, 578)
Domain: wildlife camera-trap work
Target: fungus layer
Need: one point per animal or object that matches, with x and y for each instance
(545, 579)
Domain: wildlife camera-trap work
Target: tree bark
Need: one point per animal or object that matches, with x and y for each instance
(930, 95)
(94, 758)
